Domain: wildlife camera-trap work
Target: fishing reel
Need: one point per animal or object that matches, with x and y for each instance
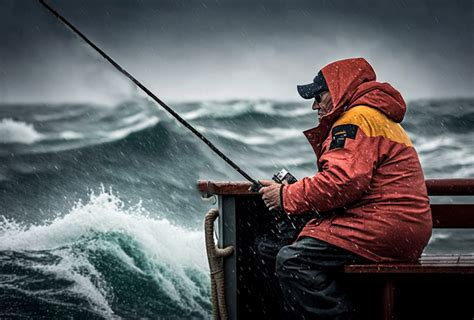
(279, 177)
(284, 175)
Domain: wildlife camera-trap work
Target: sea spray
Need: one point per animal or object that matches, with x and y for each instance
(108, 259)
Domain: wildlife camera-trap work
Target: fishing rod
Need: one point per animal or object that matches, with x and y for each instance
(255, 184)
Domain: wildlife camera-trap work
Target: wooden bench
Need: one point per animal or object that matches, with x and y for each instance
(431, 267)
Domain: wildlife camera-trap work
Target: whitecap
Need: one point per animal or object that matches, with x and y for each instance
(425, 144)
(71, 135)
(12, 131)
(124, 132)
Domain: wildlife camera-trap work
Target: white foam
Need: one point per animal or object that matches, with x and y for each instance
(71, 135)
(218, 110)
(284, 133)
(425, 144)
(170, 250)
(104, 213)
(122, 133)
(138, 117)
(12, 131)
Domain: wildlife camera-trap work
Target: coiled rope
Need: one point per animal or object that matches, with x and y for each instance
(215, 257)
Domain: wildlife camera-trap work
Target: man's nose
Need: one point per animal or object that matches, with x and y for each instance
(316, 105)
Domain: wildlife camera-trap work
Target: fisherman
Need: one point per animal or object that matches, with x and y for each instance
(368, 199)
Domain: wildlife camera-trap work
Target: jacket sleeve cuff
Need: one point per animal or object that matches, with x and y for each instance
(287, 203)
(281, 197)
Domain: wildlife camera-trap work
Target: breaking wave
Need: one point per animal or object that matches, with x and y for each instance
(106, 260)
(12, 131)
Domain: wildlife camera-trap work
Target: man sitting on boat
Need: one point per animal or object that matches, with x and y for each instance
(368, 197)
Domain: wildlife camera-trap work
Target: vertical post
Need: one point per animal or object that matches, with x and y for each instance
(227, 237)
(388, 299)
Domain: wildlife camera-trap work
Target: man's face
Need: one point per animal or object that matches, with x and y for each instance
(323, 103)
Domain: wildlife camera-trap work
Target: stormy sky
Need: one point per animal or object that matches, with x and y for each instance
(186, 50)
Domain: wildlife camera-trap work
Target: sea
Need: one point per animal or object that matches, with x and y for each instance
(100, 215)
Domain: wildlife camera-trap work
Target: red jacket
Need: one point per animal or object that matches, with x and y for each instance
(368, 169)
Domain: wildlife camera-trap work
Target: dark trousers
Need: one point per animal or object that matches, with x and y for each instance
(282, 233)
(306, 274)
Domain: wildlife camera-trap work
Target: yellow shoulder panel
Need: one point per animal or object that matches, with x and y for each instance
(374, 124)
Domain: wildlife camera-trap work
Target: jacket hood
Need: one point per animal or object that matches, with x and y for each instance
(351, 82)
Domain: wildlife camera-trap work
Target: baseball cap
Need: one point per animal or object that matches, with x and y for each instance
(309, 91)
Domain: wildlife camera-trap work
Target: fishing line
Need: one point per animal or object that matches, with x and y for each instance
(149, 93)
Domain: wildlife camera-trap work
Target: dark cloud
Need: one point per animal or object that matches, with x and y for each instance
(227, 49)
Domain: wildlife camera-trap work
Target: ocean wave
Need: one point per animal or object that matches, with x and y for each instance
(134, 118)
(128, 126)
(267, 136)
(233, 109)
(230, 135)
(101, 243)
(105, 212)
(61, 113)
(12, 131)
(118, 134)
(429, 144)
(281, 134)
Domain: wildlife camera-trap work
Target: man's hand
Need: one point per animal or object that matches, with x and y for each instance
(271, 194)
